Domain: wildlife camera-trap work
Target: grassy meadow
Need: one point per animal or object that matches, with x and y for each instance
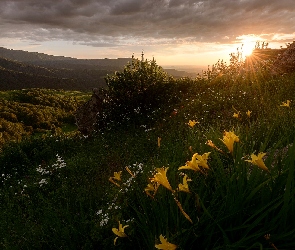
(205, 163)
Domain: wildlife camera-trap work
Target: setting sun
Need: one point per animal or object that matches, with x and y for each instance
(248, 43)
(248, 48)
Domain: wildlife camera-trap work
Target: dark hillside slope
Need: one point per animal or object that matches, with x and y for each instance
(17, 75)
(41, 59)
(13, 80)
(23, 69)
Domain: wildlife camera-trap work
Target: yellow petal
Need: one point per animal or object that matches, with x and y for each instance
(190, 166)
(151, 188)
(248, 113)
(202, 160)
(258, 161)
(117, 175)
(120, 232)
(165, 245)
(286, 104)
(192, 123)
(228, 139)
(229, 143)
(184, 187)
(232, 135)
(161, 178)
(193, 164)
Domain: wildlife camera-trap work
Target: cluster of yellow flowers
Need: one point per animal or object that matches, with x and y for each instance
(198, 163)
(286, 104)
(165, 245)
(237, 114)
(160, 178)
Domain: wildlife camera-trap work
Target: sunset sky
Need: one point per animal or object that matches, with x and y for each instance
(175, 32)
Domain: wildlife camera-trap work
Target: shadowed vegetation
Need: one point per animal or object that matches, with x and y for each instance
(194, 151)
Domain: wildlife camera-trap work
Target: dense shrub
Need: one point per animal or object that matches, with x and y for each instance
(139, 94)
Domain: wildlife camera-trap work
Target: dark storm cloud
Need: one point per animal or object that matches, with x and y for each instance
(110, 22)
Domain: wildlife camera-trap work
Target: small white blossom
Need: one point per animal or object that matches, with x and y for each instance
(43, 181)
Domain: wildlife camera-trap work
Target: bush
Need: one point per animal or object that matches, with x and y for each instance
(138, 94)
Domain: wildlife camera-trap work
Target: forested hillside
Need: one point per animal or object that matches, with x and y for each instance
(16, 75)
(29, 112)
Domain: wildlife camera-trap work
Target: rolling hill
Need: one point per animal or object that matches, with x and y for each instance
(22, 69)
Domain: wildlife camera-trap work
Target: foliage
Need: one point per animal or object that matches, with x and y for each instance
(138, 94)
(55, 190)
(30, 111)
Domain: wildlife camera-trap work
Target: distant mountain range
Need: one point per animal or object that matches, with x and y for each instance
(22, 69)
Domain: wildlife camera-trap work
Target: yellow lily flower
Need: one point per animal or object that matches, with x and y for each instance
(248, 113)
(228, 139)
(286, 104)
(161, 178)
(202, 160)
(152, 188)
(193, 164)
(119, 232)
(184, 187)
(165, 245)
(116, 177)
(258, 161)
(232, 134)
(192, 123)
(236, 115)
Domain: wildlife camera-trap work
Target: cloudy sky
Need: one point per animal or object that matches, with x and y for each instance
(173, 31)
